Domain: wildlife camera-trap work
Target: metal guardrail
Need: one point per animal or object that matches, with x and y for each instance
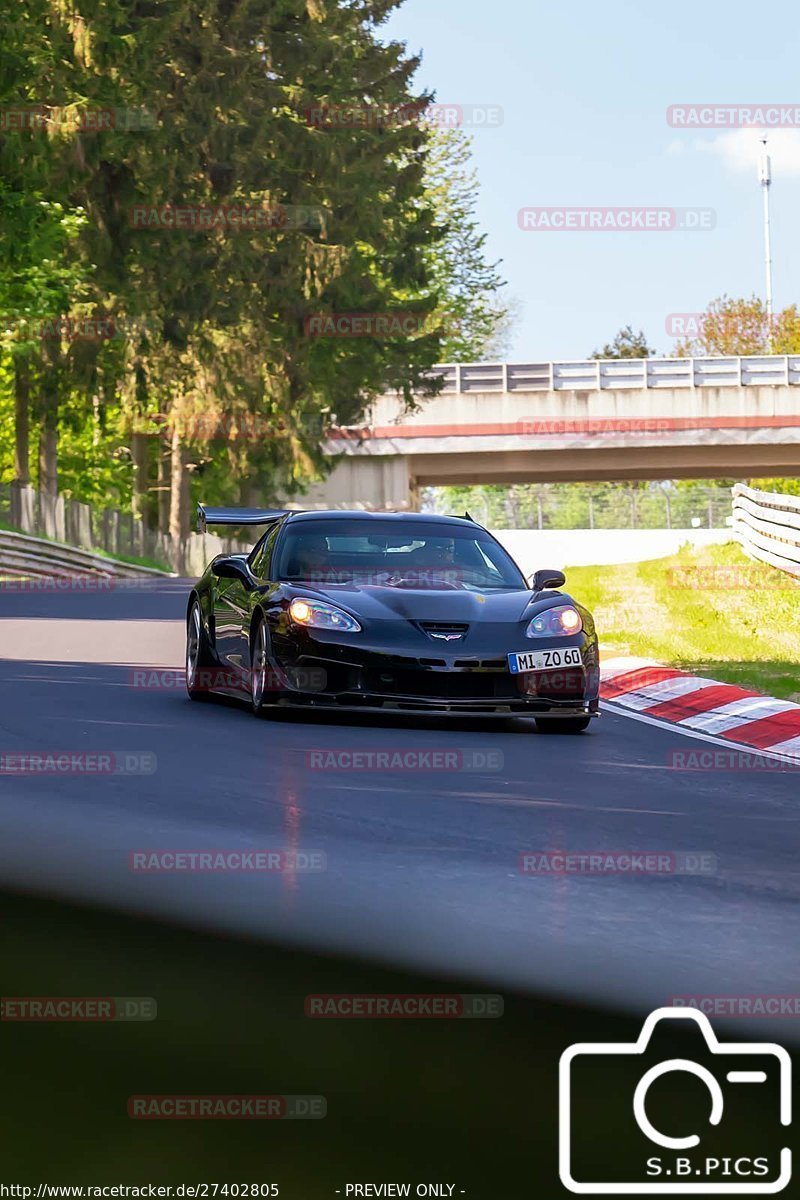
(589, 375)
(767, 525)
(549, 507)
(23, 556)
(84, 530)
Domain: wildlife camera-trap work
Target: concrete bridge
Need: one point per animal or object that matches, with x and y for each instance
(590, 420)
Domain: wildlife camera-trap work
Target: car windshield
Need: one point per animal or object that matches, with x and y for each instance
(417, 554)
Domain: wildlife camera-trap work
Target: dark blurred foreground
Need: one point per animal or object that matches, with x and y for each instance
(468, 1102)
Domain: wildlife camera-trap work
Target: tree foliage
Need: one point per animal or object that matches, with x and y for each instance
(626, 344)
(212, 379)
(613, 505)
(740, 326)
(475, 319)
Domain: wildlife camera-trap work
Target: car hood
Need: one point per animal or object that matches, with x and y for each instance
(459, 605)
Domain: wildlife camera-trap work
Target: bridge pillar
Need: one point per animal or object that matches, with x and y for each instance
(375, 483)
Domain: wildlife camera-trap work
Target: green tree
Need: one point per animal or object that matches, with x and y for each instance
(476, 320)
(732, 325)
(743, 326)
(239, 346)
(226, 311)
(40, 279)
(626, 344)
(788, 487)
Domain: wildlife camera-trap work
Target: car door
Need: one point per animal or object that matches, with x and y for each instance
(234, 609)
(231, 609)
(264, 587)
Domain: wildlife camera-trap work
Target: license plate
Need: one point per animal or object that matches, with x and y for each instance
(544, 660)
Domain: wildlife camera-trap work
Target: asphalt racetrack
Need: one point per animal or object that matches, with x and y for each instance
(422, 867)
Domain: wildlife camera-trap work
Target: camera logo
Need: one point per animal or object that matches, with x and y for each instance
(671, 1098)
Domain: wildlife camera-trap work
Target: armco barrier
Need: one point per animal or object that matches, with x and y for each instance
(767, 525)
(23, 556)
(59, 525)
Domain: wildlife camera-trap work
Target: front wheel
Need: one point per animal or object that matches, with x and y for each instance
(259, 668)
(562, 724)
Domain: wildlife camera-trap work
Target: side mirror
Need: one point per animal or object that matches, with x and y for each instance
(231, 568)
(547, 578)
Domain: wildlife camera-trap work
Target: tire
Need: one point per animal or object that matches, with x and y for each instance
(198, 653)
(259, 668)
(562, 724)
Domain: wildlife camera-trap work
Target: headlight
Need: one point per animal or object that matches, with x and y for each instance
(555, 622)
(322, 616)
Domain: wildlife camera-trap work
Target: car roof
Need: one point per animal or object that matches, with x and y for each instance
(397, 517)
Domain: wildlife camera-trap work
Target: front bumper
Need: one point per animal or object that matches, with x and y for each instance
(327, 674)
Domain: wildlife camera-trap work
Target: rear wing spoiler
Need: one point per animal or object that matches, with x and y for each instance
(237, 516)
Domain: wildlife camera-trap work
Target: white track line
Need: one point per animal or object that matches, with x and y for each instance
(792, 759)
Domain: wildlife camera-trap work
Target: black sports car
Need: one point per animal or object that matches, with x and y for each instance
(388, 612)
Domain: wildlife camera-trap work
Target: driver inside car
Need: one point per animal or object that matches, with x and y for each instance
(310, 559)
(437, 552)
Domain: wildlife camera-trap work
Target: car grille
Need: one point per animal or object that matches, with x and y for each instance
(445, 685)
(440, 630)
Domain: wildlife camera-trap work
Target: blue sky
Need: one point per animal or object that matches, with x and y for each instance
(584, 88)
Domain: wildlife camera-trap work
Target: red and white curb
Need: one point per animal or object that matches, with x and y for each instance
(714, 711)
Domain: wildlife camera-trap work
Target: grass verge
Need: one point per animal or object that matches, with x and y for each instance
(134, 560)
(710, 611)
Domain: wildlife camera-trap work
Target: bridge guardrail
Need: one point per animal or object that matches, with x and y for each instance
(764, 370)
(767, 525)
